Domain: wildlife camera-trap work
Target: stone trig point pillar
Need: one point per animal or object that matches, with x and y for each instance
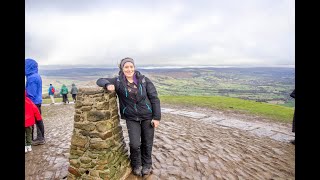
(98, 149)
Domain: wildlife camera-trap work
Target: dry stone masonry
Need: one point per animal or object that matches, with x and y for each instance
(98, 149)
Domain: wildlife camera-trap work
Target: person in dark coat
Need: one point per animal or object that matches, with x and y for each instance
(140, 107)
(74, 92)
(293, 95)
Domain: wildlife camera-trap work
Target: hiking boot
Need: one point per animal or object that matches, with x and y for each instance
(146, 170)
(38, 142)
(137, 171)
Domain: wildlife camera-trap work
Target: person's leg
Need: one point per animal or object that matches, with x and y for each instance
(28, 131)
(293, 122)
(294, 127)
(147, 136)
(134, 131)
(25, 136)
(32, 132)
(36, 125)
(63, 98)
(25, 140)
(40, 130)
(40, 126)
(52, 99)
(28, 139)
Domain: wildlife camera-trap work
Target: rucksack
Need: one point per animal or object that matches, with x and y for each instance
(53, 90)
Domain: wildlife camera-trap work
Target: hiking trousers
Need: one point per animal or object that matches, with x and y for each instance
(28, 135)
(40, 127)
(52, 98)
(141, 135)
(65, 98)
(74, 97)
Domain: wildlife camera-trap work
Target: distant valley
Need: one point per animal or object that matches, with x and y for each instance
(272, 85)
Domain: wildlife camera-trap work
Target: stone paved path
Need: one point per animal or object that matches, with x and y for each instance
(190, 143)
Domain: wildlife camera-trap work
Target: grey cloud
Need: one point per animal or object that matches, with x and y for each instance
(171, 32)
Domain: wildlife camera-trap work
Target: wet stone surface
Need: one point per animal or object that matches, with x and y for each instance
(190, 143)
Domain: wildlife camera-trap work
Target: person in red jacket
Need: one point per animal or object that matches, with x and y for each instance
(32, 113)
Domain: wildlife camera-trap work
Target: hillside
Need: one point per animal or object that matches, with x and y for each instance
(272, 85)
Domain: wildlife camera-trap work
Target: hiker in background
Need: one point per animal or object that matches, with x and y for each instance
(64, 92)
(140, 107)
(51, 92)
(34, 93)
(74, 92)
(31, 114)
(293, 95)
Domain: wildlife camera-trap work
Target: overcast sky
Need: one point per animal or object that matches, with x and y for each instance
(161, 32)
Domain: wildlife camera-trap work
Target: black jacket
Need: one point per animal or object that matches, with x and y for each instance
(147, 106)
(293, 94)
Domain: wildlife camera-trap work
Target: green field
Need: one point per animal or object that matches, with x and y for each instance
(270, 111)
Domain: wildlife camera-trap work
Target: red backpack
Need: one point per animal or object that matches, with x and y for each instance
(53, 90)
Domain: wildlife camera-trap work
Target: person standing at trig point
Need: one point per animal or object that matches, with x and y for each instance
(74, 92)
(64, 92)
(51, 92)
(140, 107)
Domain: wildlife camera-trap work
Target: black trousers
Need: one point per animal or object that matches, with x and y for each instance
(40, 126)
(141, 135)
(65, 98)
(74, 96)
(294, 121)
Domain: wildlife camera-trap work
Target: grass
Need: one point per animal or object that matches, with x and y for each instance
(48, 101)
(270, 111)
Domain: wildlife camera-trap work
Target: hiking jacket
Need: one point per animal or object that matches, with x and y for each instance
(64, 89)
(147, 104)
(50, 91)
(293, 93)
(74, 89)
(31, 112)
(33, 81)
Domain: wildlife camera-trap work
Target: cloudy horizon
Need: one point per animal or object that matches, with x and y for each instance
(161, 33)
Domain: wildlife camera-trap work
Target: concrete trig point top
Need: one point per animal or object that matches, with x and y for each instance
(98, 149)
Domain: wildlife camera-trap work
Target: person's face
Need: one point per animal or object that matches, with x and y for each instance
(128, 69)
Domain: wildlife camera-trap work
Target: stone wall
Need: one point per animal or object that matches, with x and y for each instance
(98, 149)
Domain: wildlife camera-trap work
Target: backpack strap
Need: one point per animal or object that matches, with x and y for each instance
(143, 80)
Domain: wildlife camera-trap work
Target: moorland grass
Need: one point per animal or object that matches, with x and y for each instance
(48, 100)
(270, 111)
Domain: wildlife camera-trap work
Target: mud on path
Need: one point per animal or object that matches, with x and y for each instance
(184, 148)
